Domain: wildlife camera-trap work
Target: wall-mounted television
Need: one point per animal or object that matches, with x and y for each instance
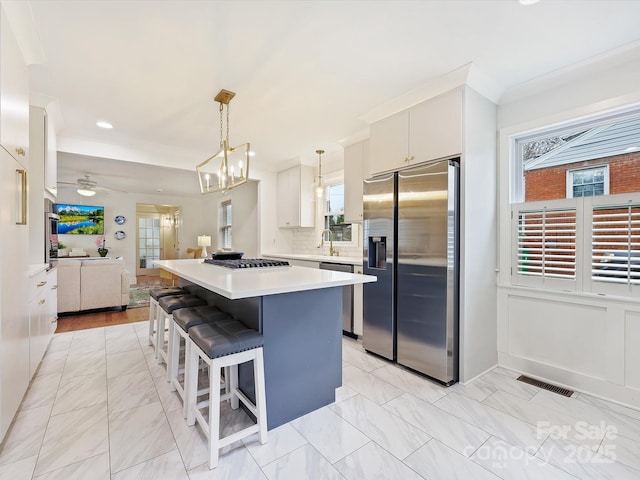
(80, 219)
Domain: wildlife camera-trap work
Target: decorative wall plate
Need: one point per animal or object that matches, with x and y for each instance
(119, 235)
(120, 219)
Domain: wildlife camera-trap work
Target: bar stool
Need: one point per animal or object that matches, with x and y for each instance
(183, 320)
(225, 343)
(154, 295)
(167, 305)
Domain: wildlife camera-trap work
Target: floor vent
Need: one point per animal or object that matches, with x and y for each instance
(546, 386)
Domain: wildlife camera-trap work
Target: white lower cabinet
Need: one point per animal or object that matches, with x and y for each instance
(52, 301)
(43, 315)
(38, 318)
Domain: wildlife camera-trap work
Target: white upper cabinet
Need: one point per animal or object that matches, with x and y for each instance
(296, 201)
(389, 144)
(14, 96)
(430, 130)
(354, 160)
(436, 128)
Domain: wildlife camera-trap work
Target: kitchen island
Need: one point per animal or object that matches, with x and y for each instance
(298, 311)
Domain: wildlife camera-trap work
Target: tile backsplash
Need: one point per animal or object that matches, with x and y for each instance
(307, 240)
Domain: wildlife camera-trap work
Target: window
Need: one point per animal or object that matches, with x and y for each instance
(334, 215)
(588, 182)
(148, 240)
(598, 158)
(225, 225)
(578, 228)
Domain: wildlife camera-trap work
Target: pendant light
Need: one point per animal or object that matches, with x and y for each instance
(319, 186)
(229, 167)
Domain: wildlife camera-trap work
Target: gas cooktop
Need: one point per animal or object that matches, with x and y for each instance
(247, 263)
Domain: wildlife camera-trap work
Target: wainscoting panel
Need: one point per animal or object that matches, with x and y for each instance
(559, 334)
(632, 350)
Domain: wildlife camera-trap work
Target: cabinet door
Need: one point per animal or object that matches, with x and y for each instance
(284, 200)
(388, 144)
(354, 156)
(14, 96)
(295, 197)
(14, 313)
(306, 197)
(38, 316)
(435, 129)
(51, 322)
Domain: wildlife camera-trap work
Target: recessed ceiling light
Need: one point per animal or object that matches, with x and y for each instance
(528, 2)
(252, 154)
(104, 125)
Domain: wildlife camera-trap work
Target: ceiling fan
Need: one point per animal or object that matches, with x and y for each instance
(86, 186)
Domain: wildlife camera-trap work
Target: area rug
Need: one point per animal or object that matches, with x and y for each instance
(139, 296)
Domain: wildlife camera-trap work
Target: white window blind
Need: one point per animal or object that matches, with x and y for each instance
(545, 241)
(615, 244)
(226, 223)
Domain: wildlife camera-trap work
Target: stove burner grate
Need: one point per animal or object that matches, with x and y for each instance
(247, 263)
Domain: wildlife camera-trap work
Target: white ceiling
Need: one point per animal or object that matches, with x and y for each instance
(304, 72)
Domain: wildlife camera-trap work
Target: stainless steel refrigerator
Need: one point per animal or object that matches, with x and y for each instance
(411, 243)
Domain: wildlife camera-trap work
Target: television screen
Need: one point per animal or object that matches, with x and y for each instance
(80, 219)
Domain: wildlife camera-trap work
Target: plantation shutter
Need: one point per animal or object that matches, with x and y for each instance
(615, 242)
(545, 245)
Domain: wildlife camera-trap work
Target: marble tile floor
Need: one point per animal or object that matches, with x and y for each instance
(99, 408)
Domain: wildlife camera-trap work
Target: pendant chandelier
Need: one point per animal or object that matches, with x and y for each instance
(229, 167)
(319, 186)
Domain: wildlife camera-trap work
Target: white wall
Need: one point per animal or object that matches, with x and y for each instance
(478, 344)
(586, 342)
(194, 222)
(246, 219)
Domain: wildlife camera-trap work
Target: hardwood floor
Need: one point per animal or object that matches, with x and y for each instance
(107, 318)
(101, 319)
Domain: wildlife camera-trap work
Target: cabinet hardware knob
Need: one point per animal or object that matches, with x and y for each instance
(42, 284)
(41, 302)
(55, 287)
(20, 151)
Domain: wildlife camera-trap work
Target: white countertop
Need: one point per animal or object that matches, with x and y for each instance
(318, 258)
(256, 282)
(36, 268)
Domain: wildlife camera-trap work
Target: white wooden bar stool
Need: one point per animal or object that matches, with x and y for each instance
(166, 306)
(225, 343)
(183, 320)
(154, 295)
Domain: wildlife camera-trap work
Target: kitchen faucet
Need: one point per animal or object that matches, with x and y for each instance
(331, 250)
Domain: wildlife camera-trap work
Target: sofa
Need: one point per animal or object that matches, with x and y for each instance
(92, 284)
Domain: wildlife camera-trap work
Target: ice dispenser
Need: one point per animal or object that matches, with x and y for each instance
(378, 252)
